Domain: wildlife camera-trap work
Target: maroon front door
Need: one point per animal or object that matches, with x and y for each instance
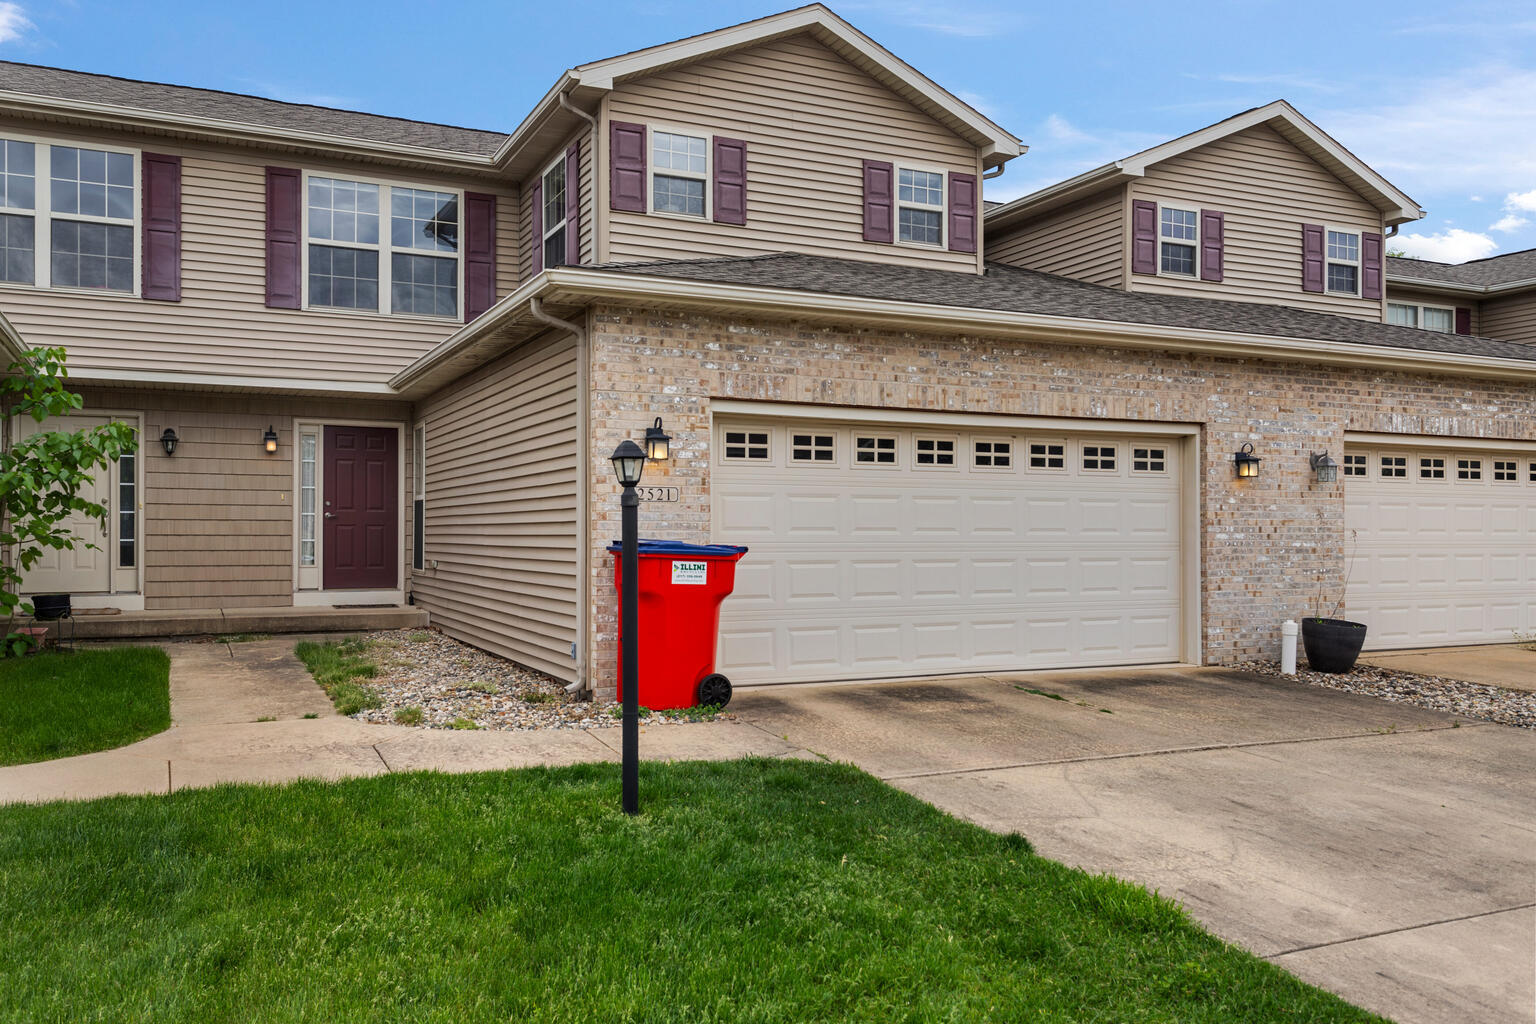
(362, 508)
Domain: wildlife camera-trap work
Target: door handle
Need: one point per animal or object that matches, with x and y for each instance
(330, 515)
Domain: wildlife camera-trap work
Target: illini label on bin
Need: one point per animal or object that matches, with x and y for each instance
(690, 572)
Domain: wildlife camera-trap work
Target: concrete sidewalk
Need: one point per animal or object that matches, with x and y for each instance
(1512, 666)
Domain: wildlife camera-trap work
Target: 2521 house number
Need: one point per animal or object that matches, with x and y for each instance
(657, 493)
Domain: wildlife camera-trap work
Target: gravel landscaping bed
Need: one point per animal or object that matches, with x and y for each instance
(455, 686)
(1437, 693)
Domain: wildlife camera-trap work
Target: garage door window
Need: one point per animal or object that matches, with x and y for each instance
(1533, 472)
(1099, 458)
(1394, 466)
(817, 448)
(1506, 471)
(993, 454)
(1045, 455)
(874, 451)
(1469, 469)
(746, 445)
(1432, 469)
(1355, 465)
(1149, 460)
(935, 451)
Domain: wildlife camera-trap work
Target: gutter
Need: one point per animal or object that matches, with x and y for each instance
(1460, 288)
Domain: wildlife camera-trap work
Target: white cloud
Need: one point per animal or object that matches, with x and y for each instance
(1059, 129)
(979, 102)
(1474, 199)
(1509, 222)
(1525, 202)
(14, 22)
(1452, 246)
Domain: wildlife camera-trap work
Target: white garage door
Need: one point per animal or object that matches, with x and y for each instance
(1440, 545)
(880, 552)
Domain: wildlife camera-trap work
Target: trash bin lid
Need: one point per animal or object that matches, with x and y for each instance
(677, 547)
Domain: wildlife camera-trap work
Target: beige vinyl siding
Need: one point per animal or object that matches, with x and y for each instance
(1431, 299)
(222, 325)
(1511, 319)
(1268, 189)
(218, 516)
(809, 119)
(525, 205)
(1083, 241)
(501, 506)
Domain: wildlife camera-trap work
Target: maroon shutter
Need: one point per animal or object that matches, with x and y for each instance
(626, 167)
(283, 257)
(1143, 236)
(479, 254)
(1213, 236)
(536, 228)
(879, 200)
(162, 227)
(1311, 257)
(962, 212)
(730, 181)
(1463, 320)
(573, 204)
(1370, 265)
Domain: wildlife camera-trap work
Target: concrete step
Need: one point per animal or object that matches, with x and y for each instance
(196, 621)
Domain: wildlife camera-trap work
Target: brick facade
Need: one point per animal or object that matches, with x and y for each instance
(1266, 545)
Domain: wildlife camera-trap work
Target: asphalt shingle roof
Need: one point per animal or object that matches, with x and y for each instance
(1014, 289)
(1512, 266)
(243, 109)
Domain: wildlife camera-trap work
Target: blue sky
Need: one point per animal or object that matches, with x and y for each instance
(1438, 97)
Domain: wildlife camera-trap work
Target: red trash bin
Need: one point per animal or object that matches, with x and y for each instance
(681, 587)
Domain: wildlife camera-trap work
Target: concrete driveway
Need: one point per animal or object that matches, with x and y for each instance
(1512, 666)
(1380, 851)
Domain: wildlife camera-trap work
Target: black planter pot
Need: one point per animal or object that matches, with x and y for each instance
(1332, 644)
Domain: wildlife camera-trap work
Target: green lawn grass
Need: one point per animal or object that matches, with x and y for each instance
(337, 666)
(756, 890)
(58, 705)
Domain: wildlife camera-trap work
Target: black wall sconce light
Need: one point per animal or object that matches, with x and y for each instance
(169, 441)
(658, 444)
(269, 440)
(1245, 462)
(1326, 469)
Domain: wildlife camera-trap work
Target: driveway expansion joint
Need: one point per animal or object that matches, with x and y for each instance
(385, 763)
(1397, 931)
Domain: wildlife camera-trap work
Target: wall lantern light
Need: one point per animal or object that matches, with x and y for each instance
(169, 440)
(1245, 462)
(628, 462)
(658, 445)
(1327, 470)
(269, 440)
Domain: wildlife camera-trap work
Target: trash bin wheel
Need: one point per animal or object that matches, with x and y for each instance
(714, 689)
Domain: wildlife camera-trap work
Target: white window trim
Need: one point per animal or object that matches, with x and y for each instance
(1344, 466)
(1120, 448)
(897, 205)
(1494, 468)
(564, 207)
(42, 215)
(1419, 311)
(1409, 467)
(1066, 455)
(1013, 453)
(1447, 468)
(813, 434)
(383, 248)
(1358, 262)
(853, 450)
(773, 445)
(1483, 469)
(1130, 459)
(651, 170)
(1193, 275)
(953, 439)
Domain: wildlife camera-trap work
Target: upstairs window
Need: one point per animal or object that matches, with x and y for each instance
(353, 263)
(1178, 241)
(920, 206)
(1343, 258)
(553, 215)
(679, 171)
(1402, 314)
(1429, 318)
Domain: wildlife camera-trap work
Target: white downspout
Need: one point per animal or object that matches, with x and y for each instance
(583, 489)
(592, 209)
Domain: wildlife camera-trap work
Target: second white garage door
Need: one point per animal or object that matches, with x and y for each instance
(882, 552)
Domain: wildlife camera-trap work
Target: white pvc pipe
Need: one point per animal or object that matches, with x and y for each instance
(1288, 647)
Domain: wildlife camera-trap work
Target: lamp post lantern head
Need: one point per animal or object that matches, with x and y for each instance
(169, 440)
(658, 445)
(269, 440)
(1327, 470)
(1245, 462)
(628, 462)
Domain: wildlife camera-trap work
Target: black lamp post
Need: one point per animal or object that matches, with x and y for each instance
(628, 464)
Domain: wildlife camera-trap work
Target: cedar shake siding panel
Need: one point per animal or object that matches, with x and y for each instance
(1083, 241)
(1511, 319)
(1268, 189)
(222, 324)
(501, 506)
(810, 119)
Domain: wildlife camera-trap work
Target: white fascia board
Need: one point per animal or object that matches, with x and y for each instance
(1059, 194)
(1460, 288)
(11, 342)
(227, 382)
(465, 337)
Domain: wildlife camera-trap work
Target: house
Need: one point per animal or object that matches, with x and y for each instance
(954, 439)
(1494, 296)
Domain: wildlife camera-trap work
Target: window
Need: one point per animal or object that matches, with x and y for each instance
(746, 445)
(127, 510)
(1355, 465)
(1469, 469)
(1149, 460)
(1394, 466)
(1533, 472)
(1099, 457)
(418, 496)
(1178, 241)
(18, 233)
(353, 264)
(874, 451)
(932, 451)
(1431, 469)
(920, 206)
(1343, 262)
(812, 448)
(553, 215)
(1043, 455)
(679, 170)
(1506, 471)
(307, 498)
(993, 454)
(1430, 318)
